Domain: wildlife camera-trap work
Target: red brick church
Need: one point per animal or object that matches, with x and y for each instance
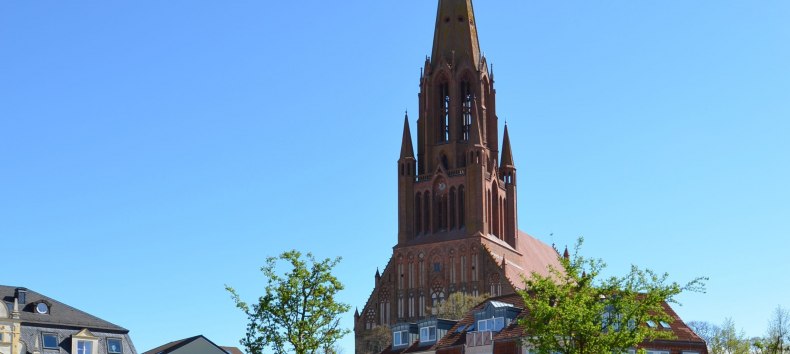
(458, 195)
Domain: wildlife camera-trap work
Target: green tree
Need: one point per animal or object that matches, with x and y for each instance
(298, 312)
(374, 340)
(728, 340)
(571, 311)
(458, 304)
(778, 338)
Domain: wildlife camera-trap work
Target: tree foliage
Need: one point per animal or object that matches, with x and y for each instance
(726, 339)
(572, 311)
(298, 312)
(373, 341)
(777, 339)
(458, 304)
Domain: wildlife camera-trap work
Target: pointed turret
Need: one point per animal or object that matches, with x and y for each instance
(507, 153)
(476, 138)
(406, 147)
(455, 37)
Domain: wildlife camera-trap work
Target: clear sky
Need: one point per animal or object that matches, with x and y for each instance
(153, 151)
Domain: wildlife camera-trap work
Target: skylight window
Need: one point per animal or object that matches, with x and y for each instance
(664, 325)
(651, 324)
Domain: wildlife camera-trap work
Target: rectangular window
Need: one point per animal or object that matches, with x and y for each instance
(84, 347)
(437, 267)
(428, 334)
(114, 346)
(491, 324)
(400, 338)
(49, 340)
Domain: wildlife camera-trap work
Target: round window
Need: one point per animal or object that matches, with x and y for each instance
(42, 308)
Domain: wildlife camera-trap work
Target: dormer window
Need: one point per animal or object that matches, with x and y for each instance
(49, 340)
(400, 338)
(491, 324)
(114, 346)
(428, 334)
(42, 308)
(84, 347)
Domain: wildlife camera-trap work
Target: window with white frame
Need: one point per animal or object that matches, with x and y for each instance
(428, 334)
(400, 338)
(650, 351)
(84, 346)
(491, 324)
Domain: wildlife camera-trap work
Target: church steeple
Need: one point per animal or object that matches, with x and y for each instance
(458, 188)
(406, 148)
(455, 38)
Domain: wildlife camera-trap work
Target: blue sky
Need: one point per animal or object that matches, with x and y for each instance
(151, 152)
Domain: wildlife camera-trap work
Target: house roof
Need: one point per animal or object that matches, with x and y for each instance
(59, 314)
(455, 337)
(171, 346)
(532, 256)
(175, 345)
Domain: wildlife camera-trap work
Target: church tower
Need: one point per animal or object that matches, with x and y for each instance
(457, 197)
(459, 187)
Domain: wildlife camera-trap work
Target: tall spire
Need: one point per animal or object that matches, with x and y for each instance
(507, 152)
(455, 37)
(406, 147)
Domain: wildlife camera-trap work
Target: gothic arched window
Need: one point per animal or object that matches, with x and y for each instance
(444, 112)
(418, 214)
(452, 208)
(467, 97)
(461, 220)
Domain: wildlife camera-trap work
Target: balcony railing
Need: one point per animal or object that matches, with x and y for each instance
(480, 338)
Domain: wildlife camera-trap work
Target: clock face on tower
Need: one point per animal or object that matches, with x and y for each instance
(440, 187)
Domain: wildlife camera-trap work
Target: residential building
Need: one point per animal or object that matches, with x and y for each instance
(32, 323)
(193, 345)
(492, 327)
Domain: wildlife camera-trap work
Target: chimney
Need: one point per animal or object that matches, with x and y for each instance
(21, 295)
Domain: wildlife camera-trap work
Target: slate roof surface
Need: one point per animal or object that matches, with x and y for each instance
(175, 345)
(232, 350)
(59, 313)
